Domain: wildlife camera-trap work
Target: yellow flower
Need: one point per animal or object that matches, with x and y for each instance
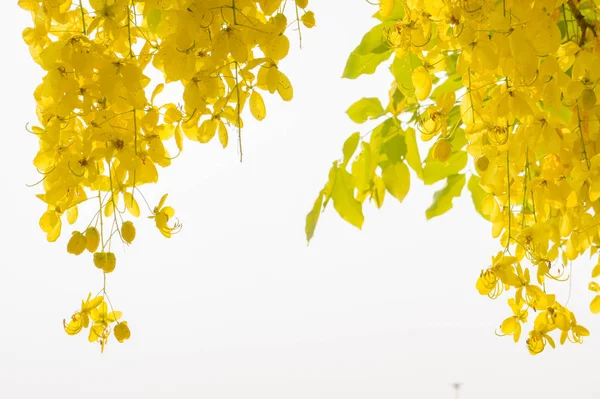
(102, 318)
(487, 283)
(536, 342)
(161, 217)
(109, 13)
(512, 325)
(81, 318)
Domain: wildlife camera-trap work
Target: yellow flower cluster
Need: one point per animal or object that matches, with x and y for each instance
(101, 133)
(512, 85)
(96, 311)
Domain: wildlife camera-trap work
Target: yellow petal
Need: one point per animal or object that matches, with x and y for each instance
(92, 237)
(421, 79)
(386, 7)
(223, 134)
(285, 89)
(128, 231)
(595, 305)
(131, 204)
(72, 214)
(257, 106)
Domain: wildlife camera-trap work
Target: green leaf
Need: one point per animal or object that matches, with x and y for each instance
(402, 69)
(396, 15)
(364, 64)
(343, 199)
(412, 152)
(452, 84)
(313, 217)
(458, 139)
(386, 129)
(442, 200)
(395, 106)
(395, 148)
(435, 171)
(154, 18)
(373, 41)
(396, 178)
(365, 109)
(350, 147)
(378, 191)
(363, 169)
(477, 194)
(372, 51)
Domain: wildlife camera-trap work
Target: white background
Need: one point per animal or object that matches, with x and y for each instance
(237, 306)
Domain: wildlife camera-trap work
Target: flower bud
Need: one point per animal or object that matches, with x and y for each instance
(77, 243)
(93, 239)
(122, 332)
(128, 232)
(442, 150)
(106, 261)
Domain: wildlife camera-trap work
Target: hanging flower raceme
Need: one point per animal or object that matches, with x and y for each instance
(102, 134)
(513, 85)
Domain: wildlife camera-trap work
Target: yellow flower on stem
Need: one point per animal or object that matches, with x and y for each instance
(81, 319)
(512, 325)
(162, 215)
(102, 318)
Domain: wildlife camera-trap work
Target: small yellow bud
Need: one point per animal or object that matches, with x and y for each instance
(442, 150)
(100, 259)
(122, 332)
(106, 261)
(588, 99)
(308, 19)
(302, 3)
(93, 239)
(128, 232)
(482, 163)
(111, 262)
(77, 243)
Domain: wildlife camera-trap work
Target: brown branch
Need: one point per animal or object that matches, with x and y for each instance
(581, 21)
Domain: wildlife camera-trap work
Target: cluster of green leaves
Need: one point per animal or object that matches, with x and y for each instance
(379, 161)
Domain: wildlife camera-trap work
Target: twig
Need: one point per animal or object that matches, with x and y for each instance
(581, 21)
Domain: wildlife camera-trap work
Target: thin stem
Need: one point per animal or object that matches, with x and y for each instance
(101, 220)
(508, 192)
(587, 161)
(129, 30)
(525, 189)
(237, 88)
(566, 23)
(299, 29)
(533, 206)
(135, 146)
(83, 18)
(583, 24)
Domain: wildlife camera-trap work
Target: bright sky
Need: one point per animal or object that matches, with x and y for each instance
(237, 306)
